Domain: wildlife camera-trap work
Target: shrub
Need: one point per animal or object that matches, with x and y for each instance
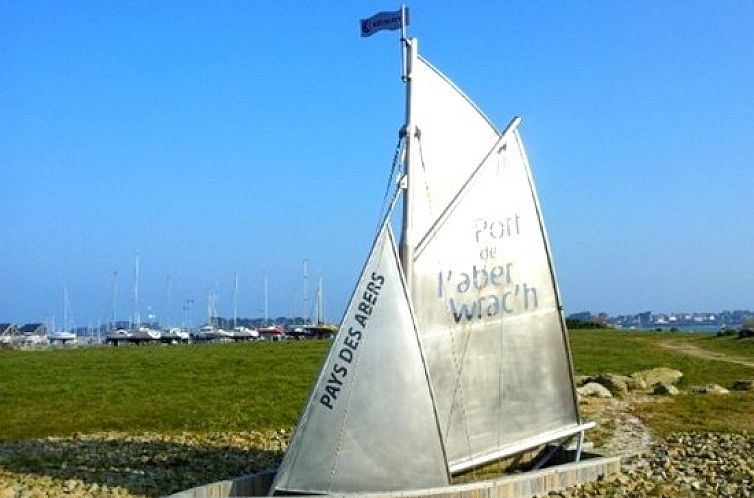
(727, 331)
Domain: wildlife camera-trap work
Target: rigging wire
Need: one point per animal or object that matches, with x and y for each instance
(500, 171)
(395, 170)
(453, 330)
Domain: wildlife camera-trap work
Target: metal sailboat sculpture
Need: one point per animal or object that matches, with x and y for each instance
(452, 352)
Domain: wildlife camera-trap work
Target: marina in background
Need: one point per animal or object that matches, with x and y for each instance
(219, 329)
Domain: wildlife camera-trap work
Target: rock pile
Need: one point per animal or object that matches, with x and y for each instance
(622, 385)
(661, 381)
(678, 466)
(682, 465)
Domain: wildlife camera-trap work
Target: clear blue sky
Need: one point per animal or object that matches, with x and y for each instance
(214, 138)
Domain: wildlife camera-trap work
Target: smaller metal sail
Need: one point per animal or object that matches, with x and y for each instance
(483, 285)
(370, 422)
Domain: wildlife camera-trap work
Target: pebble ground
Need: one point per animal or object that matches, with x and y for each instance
(114, 464)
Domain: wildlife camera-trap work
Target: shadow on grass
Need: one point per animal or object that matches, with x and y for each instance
(150, 465)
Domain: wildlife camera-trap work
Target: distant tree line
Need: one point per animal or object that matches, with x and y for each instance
(574, 323)
(746, 330)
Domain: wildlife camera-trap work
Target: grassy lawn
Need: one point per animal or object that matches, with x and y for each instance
(625, 352)
(598, 351)
(241, 387)
(214, 387)
(733, 346)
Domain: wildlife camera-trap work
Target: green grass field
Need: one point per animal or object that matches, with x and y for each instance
(213, 387)
(240, 387)
(597, 351)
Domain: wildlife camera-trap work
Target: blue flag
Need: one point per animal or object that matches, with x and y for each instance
(382, 20)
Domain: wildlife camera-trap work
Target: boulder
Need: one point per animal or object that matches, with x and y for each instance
(616, 384)
(636, 384)
(593, 390)
(743, 385)
(654, 376)
(580, 380)
(666, 390)
(708, 389)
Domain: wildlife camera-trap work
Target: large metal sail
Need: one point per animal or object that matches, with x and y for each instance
(451, 136)
(482, 281)
(370, 422)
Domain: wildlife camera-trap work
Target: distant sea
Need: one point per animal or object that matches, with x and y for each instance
(708, 328)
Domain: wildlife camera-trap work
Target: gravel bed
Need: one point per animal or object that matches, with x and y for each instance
(682, 465)
(116, 464)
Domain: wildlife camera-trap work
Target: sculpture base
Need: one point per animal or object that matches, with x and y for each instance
(523, 485)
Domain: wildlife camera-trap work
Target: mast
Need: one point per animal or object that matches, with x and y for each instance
(115, 297)
(209, 308)
(187, 310)
(321, 307)
(320, 304)
(409, 49)
(136, 316)
(215, 301)
(65, 308)
(167, 323)
(265, 300)
(306, 292)
(235, 300)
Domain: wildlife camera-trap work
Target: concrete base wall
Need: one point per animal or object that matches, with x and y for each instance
(524, 485)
